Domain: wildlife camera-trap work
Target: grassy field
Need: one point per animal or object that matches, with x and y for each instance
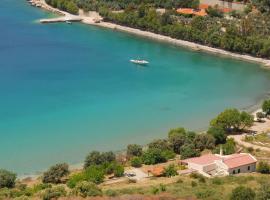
(262, 139)
(186, 187)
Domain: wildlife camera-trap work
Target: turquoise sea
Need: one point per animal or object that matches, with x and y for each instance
(68, 89)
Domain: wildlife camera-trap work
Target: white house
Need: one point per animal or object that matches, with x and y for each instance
(222, 165)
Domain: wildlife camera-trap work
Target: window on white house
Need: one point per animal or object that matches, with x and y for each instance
(238, 170)
(248, 168)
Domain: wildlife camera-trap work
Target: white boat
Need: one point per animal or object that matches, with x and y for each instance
(140, 62)
(68, 22)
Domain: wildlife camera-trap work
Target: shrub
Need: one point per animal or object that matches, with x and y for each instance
(97, 158)
(266, 106)
(153, 156)
(118, 171)
(264, 192)
(75, 179)
(94, 174)
(7, 179)
(170, 171)
(179, 180)
(111, 193)
(188, 151)
(229, 147)
(159, 144)
(22, 198)
(41, 186)
(260, 116)
(263, 167)
(136, 162)
(204, 141)
(168, 154)
(242, 193)
(177, 138)
(54, 193)
(162, 187)
(55, 173)
(250, 149)
(204, 194)
(218, 133)
(217, 181)
(202, 179)
(5, 193)
(134, 150)
(87, 189)
(154, 190)
(194, 183)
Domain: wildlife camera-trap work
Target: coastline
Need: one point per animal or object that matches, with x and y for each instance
(92, 20)
(166, 39)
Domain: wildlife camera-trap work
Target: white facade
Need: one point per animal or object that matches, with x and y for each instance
(223, 165)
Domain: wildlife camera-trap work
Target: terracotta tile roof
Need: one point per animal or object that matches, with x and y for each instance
(201, 13)
(232, 161)
(203, 6)
(187, 11)
(190, 11)
(157, 171)
(237, 160)
(202, 160)
(226, 10)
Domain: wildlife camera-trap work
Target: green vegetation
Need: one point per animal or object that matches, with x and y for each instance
(99, 166)
(243, 193)
(136, 162)
(246, 33)
(233, 120)
(153, 156)
(266, 107)
(95, 174)
(87, 189)
(134, 150)
(264, 192)
(170, 171)
(97, 158)
(263, 167)
(56, 173)
(54, 193)
(7, 179)
(218, 133)
(65, 5)
(261, 139)
(204, 141)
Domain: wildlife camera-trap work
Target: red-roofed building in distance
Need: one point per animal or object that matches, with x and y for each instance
(190, 11)
(222, 165)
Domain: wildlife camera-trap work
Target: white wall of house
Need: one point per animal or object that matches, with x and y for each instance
(243, 169)
(195, 166)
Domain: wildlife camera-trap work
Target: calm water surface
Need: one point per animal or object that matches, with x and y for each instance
(68, 89)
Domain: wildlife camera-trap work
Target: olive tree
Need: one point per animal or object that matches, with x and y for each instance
(55, 173)
(134, 150)
(97, 158)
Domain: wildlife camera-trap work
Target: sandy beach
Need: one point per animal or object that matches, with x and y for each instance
(92, 18)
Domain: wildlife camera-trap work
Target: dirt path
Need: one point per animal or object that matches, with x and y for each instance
(238, 139)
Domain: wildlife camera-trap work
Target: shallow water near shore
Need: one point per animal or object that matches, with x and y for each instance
(68, 89)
